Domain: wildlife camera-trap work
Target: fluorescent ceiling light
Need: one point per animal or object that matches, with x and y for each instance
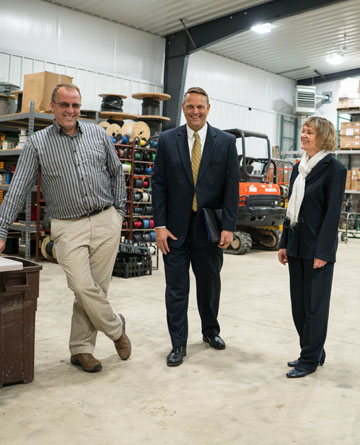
(335, 59)
(262, 28)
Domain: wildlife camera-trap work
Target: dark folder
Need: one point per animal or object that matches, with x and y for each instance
(212, 218)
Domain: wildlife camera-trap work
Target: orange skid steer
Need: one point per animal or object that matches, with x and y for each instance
(261, 208)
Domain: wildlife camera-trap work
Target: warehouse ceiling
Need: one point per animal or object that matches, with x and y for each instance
(297, 47)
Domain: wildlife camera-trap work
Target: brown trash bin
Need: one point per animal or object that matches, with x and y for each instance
(19, 290)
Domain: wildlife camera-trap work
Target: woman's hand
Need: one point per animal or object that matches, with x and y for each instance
(319, 263)
(282, 256)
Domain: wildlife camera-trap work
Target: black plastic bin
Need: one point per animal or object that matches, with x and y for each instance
(19, 290)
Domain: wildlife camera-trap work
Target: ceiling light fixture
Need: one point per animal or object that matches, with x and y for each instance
(335, 59)
(262, 28)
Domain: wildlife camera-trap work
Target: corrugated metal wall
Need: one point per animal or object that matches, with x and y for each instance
(104, 57)
(242, 96)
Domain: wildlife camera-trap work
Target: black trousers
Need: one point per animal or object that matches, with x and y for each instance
(310, 291)
(206, 263)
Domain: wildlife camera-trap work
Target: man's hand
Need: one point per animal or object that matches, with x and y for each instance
(318, 263)
(225, 239)
(2, 245)
(162, 234)
(282, 256)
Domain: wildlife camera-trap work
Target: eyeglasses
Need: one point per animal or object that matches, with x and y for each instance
(64, 105)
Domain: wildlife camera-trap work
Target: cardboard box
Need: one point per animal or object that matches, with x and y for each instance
(348, 102)
(355, 179)
(350, 128)
(347, 142)
(348, 180)
(38, 88)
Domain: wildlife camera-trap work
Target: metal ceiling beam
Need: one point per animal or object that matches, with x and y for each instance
(181, 44)
(329, 77)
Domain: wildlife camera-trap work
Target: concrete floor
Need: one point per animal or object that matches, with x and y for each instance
(236, 396)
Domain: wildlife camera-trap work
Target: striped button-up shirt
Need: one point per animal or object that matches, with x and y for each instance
(79, 174)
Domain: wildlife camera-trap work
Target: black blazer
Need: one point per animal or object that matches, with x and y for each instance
(315, 234)
(173, 187)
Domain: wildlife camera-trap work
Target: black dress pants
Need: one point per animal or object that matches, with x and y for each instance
(206, 263)
(310, 291)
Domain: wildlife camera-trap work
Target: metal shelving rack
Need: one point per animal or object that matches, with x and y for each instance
(348, 233)
(13, 122)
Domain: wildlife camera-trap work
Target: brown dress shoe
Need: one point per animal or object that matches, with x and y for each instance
(123, 345)
(87, 362)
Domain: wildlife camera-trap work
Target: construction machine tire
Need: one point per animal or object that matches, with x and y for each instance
(267, 239)
(240, 245)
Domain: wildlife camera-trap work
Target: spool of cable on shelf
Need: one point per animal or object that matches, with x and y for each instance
(151, 111)
(48, 248)
(112, 107)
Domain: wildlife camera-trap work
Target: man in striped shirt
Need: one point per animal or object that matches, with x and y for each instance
(83, 185)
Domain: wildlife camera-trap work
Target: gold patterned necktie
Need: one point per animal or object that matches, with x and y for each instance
(195, 164)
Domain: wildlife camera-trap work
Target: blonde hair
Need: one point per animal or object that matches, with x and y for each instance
(325, 132)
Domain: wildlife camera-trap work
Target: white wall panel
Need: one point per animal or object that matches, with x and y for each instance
(242, 96)
(48, 32)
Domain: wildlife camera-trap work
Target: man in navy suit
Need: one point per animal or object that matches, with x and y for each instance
(196, 167)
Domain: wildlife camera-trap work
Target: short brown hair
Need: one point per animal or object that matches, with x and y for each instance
(325, 132)
(197, 90)
(68, 86)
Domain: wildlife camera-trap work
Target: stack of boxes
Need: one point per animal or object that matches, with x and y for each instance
(353, 179)
(350, 135)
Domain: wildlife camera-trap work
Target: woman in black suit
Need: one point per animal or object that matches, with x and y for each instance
(309, 240)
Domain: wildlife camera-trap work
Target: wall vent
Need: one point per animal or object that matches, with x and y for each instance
(305, 99)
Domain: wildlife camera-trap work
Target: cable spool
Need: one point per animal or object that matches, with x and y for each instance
(112, 102)
(152, 249)
(146, 182)
(145, 197)
(121, 153)
(125, 224)
(114, 130)
(88, 114)
(126, 167)
(146, 237)
(126, 131)
(151, 223)
(138, 237)
(141, 131)
(48, 248)
(153, 236)
(148, 210)
(19, 95)
(146, 224)
(153, 143)
(151, 110)
(138, 183)
(139, 169)
(137, 196)
(153, 157)
(104, 125)
(138, 224)
(138, 156)
(139, 210)
(148, 170)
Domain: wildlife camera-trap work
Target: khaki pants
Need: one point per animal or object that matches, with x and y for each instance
(86, 249)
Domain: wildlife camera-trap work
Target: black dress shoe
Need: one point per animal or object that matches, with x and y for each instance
(296, 362)
(299, 372)
(215, 341)
(175, 358)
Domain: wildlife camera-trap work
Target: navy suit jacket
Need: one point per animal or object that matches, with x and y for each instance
(173, 186)
(315, 235)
